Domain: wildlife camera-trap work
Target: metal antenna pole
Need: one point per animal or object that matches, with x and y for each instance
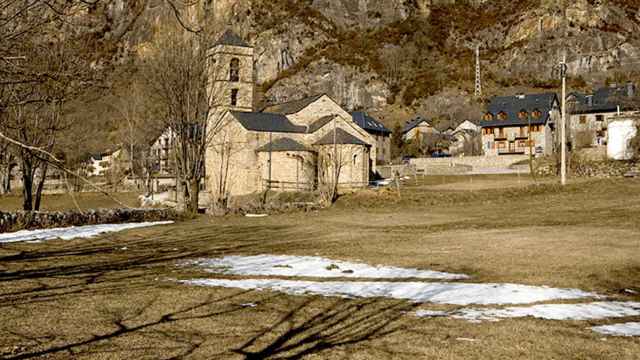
(478, 74)
(563, 169)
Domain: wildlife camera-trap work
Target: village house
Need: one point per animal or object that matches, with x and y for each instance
(100, 163)
(590, 114)
(160, 152)
(465, 140)
(512, 121)
(376, 129)
(292, 146)
(418, 127)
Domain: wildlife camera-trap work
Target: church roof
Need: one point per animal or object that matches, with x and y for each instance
(318, 124)
(283, 144)
(232, 39)
(292, 107)
(267, 122)
(341, 137)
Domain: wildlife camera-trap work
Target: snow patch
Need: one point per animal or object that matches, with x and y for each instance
(441, 293)
(626, 329)
(73, 232)
(431, 313)
(588, 311)
(311, 266)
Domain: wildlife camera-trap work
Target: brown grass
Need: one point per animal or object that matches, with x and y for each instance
(93, 299)
(60, 202)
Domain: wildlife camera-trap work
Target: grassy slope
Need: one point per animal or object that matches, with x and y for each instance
(95, 299)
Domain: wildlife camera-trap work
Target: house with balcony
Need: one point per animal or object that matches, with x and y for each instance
(520, 124)
(589, 114)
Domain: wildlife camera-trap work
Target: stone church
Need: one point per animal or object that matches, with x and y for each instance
(293, 146)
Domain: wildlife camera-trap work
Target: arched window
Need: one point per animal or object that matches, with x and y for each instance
(355, 159)
(234, 97)
(502, 115)
(487, 117)
(234, 70)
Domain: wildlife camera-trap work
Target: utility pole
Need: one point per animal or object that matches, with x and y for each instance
(563, 165)
(478, 74)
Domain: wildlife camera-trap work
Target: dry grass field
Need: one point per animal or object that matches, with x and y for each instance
(59, 202)
(116, 296)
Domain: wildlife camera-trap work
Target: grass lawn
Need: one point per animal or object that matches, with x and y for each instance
(116, 297)
(59, 202)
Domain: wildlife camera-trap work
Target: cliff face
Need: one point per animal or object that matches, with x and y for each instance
(375, 53)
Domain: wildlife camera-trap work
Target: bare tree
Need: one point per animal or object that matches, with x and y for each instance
(179, 76)
(332, 160)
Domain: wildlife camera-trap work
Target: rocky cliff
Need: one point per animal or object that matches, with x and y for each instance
(377, 54)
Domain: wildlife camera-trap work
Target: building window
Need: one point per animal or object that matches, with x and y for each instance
(502, 115)
(536, 114)
(583, 119)
(487, 117)
(599, 117)
(234, 70)
(522, 115)
(234, 97)
(501, 132)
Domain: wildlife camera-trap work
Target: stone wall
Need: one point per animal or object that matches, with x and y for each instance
(23, 220)
(466, 164)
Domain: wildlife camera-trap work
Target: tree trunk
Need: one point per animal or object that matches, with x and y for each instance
(191, 196)
(41, 181)
(27, 185)
(5, 178)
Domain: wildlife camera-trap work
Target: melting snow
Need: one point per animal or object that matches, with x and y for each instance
(310, 266)
(589, 311)
(72, 232)
(627, 329)
(431, 313)
(441, 293)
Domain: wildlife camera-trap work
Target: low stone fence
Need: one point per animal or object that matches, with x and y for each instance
(468, 164)
(592, 169)
(24, 220)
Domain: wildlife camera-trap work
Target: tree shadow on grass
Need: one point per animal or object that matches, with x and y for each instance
(306, 326)
(101, 266)
(308, 329)
(126, 322)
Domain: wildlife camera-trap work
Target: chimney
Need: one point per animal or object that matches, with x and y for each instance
(631, 89)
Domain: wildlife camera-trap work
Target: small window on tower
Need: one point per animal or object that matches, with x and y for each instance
(234, 70)
(234, 97)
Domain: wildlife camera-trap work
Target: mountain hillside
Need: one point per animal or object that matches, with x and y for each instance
(401, 56)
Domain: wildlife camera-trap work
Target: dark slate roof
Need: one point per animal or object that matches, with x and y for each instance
(342, 137)
(267, 122)
(283, 144)
(292, 107)
(605, 99)
(414, 122)
(368, 123)
(512, 105)
(232, 39)
(318, 124)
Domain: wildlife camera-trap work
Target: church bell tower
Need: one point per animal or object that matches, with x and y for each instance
(231, 78)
